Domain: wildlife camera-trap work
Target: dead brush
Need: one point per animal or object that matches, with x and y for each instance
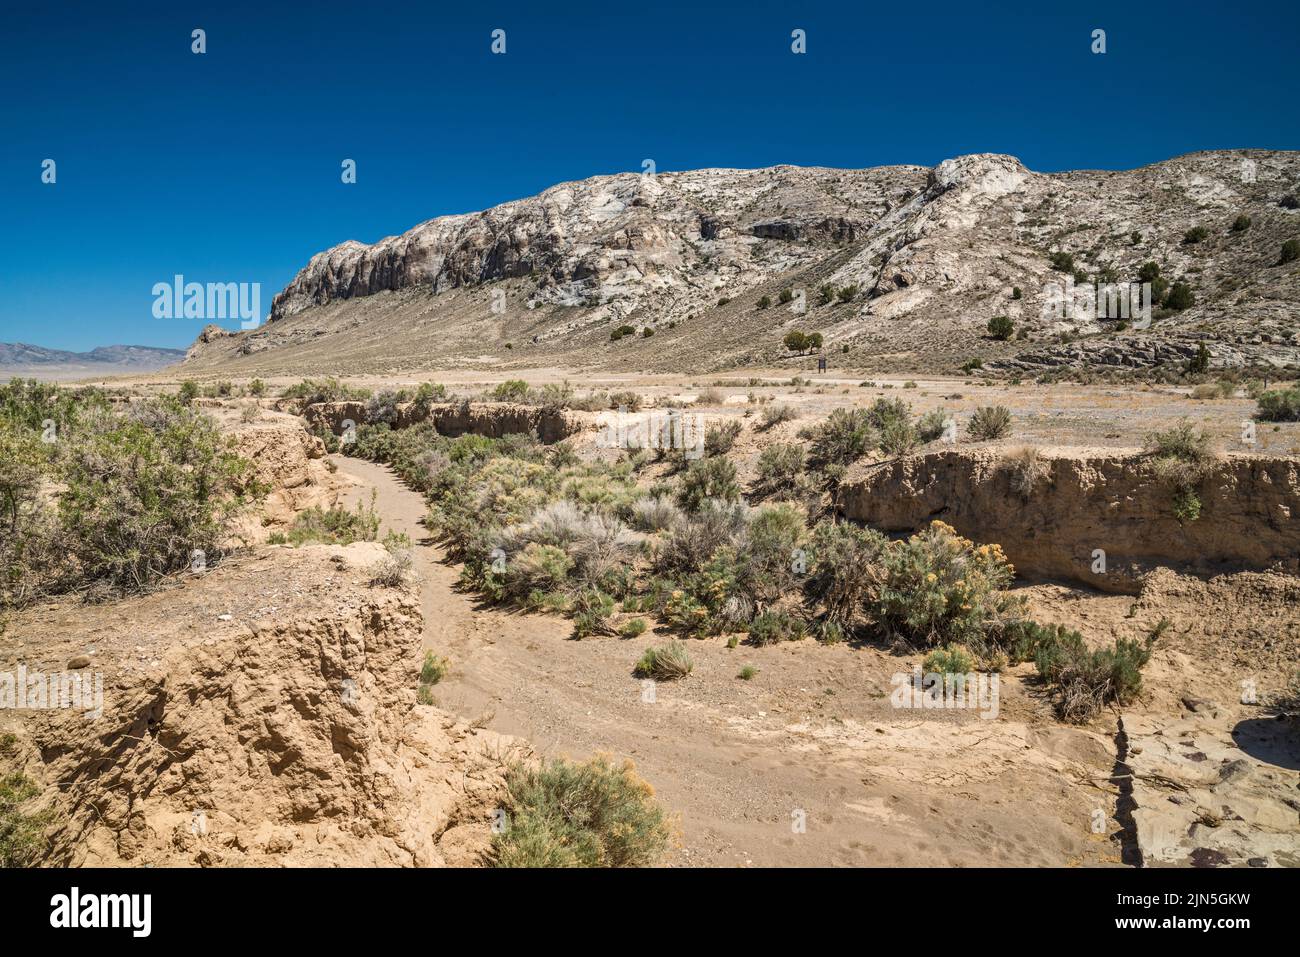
(393, 570)
(1025, 467)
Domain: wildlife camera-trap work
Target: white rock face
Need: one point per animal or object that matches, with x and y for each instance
(926, 257)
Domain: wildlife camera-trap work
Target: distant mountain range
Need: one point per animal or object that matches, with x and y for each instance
(17, 357)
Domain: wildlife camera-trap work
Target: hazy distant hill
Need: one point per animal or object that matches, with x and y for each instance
(19, 358)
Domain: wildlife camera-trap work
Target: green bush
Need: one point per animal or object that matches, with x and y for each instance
(775, 626)
(719, 439)
(512, 390)
(434, 668)
(842, 439)
(708, 478)
(335, 525)
(989, 422)
(764, 302)
(1195, 235)
(666, 662)
(848, 293)
(937, 588)
(1087, 680)
(931, 426)
(780, 469)
(1183, 456)
(1062, 261)
(312, 391)
(142, 493)
(842, 558)
(774, 415)
(1180, 297)
(1279, 405)
(1290, 252)
(568, 814)
(1001, 328)
(949, 660)
(1241, 223)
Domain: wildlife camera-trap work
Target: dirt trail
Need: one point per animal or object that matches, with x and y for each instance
(806, 764)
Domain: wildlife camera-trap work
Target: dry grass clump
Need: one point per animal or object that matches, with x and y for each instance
(571, 814)
(1026, 467)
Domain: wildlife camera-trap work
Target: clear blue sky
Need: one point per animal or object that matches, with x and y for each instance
(225, 167)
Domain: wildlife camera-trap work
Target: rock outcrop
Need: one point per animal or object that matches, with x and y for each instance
(928, 257)
(1087, 503)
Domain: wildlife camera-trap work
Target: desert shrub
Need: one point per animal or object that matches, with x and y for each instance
(931, 426)
(1025, 467)
(433, 669)
(30, 556)
(898, 437)
(841, 562)
(747, 673)
(21, 832)
(719, 439)
(774, 415)
(766, 564)
(764, 302)
(1001, 328)
(938, 588)
(665, 662)
(710, 396)
(624, 331)
(1199, 363)
(1289, 202)
(692, 539)
(1290, 252)
(593, 613)
(1241, 223)
(511, 390)
(1182, 457)
(949, 660)
(787, 295)
(848, 293)
(536, 569)
(393, 570)
(1180, 297)
(774, 626)
(780, 469)
(1195, 235)
(626, 400)
(1279, 405)
(141, 494)
(382, 408)
(654, 513)
(989, 422)
(708, 478)
(1086, 679)
(842, 439)
(632, 628)
(312, 391)
(188, 392)
(1062, 261)
(567, 814)
(335, 525)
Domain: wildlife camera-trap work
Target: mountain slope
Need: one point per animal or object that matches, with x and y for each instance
(930, 255)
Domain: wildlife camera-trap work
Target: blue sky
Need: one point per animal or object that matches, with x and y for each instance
(225, 167)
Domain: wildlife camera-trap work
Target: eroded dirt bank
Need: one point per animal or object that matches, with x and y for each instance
(1086, 501)
(262, 713)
